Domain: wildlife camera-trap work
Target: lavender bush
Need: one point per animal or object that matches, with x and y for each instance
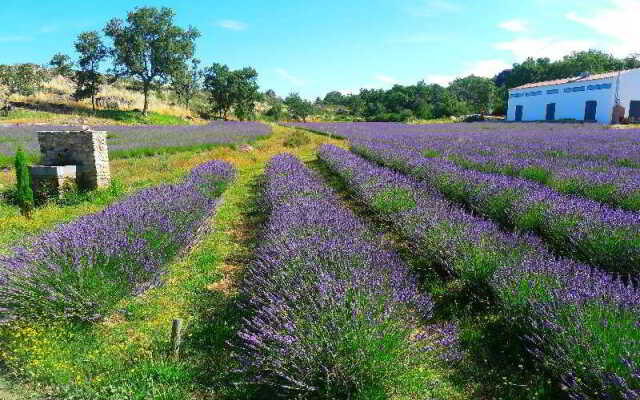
(576, 316)
(573, 226)
(125, 141)
(330, 312)
(82, 268)
(574, 141)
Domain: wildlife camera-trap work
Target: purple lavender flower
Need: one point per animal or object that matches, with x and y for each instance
(562, 304)
(83, 267)
(323, 299)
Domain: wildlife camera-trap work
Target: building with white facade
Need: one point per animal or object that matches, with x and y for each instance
(584, 98)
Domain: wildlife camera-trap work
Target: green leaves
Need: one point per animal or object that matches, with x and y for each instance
(149, 47)
(229, 89)
(24, 192)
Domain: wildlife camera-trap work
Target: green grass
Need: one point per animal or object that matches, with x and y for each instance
(28, 114)
(124, 117)
(496, 363)
(137, 118)
(126, 355)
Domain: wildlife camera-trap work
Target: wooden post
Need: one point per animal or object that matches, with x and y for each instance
(176, 337)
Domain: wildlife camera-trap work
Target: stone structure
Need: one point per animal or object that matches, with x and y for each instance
(85, 149)
(51, 181)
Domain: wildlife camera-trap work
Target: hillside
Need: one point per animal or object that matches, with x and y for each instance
(117, 104)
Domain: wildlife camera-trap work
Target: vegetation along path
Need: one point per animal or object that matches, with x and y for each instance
(125, 356)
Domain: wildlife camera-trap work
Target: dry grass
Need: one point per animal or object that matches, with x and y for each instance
(59, 90)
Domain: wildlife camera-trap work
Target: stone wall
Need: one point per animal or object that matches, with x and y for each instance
(51, 181)
(87, 150)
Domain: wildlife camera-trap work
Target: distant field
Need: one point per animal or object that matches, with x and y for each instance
(128, 141)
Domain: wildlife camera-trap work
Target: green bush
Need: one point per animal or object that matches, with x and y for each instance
(297, 139)
(24, 193)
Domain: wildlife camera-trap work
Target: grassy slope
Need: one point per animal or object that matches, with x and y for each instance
(86, 116)
(125, 356)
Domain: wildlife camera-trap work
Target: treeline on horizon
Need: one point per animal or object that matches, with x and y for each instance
(151, 54)
(467, 95)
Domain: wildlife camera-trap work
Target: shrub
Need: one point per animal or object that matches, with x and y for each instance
(80, 270)
(24, 192)
(297, 139)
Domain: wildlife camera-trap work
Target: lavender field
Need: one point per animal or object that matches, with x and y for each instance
(430, 262)
(542, 218)
(124, 141)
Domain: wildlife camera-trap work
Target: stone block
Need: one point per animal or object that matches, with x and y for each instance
(51, 181)
(86, 149)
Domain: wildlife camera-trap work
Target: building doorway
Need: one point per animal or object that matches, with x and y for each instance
(634, 110)
(519, 113)
(590, 110)
(551, 112)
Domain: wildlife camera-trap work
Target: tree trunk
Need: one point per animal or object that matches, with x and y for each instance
(146, 98)
(93, 103)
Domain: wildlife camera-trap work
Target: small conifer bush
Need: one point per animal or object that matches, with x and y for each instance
(24, 194)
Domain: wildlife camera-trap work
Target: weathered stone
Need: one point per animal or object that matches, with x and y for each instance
(51, 181)
(86, 149)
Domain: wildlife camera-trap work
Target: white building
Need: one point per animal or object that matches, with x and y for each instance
(584, 98)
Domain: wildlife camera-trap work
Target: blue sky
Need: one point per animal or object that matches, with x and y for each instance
(312, 47)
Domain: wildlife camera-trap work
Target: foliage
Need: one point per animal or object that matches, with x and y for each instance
(479, 93)
(542, 69)
(229, 89)
(24, 194)
(80, 270)
(276, 112)
(330, 309)
(62, 65)
(23, 79)
(298, 107)
(149, 47)
(88, 78)
(186, 82)
(400, 103)
(297, 139)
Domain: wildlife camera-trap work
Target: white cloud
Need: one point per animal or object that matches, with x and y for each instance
(618, 21)
(550, 47)
(232, 25)
(431, 8)
(11, 39)
(386, 79)
(442, 80)
(487, 68)
(515, 25)
(484, 68)
(294, 80)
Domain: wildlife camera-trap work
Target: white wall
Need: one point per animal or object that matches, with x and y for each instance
(629, 89)
(568, 105)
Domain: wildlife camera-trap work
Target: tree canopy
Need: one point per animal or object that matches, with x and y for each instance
(149, 47)
(229, 89)
(298, 107)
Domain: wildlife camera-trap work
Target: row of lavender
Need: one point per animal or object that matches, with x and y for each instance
(608, 172)
(574, 141)
(330, 313)
(125, 139)
(576, 316)
(573, 226)
(81, 269)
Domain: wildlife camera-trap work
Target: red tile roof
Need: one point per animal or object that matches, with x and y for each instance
(592, 77)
